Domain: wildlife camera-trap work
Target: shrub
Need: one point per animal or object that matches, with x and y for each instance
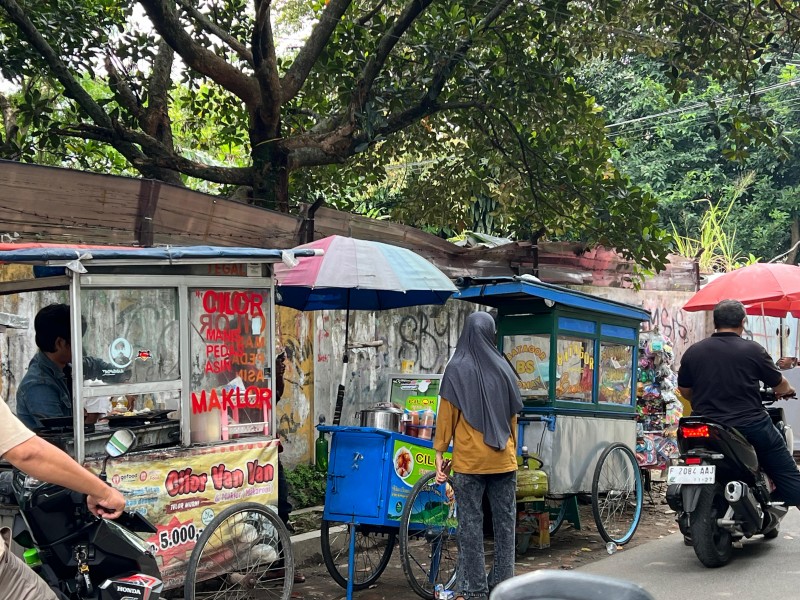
(306, 486)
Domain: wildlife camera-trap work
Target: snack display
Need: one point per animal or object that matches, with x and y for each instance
(403, 462)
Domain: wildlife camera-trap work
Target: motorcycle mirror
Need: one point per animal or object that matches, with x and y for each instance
(557, 585)
(120, 443)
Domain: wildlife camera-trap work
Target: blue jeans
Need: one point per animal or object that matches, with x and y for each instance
(501, 488)
(775, 458)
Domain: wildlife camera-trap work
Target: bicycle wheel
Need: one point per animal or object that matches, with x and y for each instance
(245, 552)
(428, 544)
(558, 510)
(373, 549)
(617, 494)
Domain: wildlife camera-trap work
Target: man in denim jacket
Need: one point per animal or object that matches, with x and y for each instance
(46, 389)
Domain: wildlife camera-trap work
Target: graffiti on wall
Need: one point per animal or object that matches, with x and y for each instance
(425, 338)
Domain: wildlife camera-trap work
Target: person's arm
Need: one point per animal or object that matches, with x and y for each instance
(446, 419)
(784, 388)
(97, 368)
(44, 461)
(770, 375)
(685, 381)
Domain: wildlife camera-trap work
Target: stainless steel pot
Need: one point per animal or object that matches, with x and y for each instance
(381, 416)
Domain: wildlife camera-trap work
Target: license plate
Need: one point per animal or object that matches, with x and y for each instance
(698, 474)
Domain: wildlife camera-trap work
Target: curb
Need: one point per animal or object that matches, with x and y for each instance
(306, 549)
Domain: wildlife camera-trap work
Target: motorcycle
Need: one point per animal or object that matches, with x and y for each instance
(717, 489)
(79, 555)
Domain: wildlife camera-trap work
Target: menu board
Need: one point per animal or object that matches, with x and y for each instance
(415, 392)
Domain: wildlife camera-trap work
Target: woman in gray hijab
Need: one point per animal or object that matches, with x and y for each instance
(479, 401)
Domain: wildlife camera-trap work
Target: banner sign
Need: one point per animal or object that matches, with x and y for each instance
(411, 463)
(181, 490)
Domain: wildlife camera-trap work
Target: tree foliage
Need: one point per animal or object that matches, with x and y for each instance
(482, 93)
(710, 182)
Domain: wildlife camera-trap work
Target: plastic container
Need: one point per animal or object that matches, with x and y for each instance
(426, 420)
(412, 427)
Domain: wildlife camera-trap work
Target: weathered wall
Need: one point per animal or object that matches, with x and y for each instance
(425, 335)
(683, 328)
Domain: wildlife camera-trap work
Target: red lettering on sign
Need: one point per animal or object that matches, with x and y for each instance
(233, 303)
(185, 482)
(251, 397)
(259, 473)
(225, 479)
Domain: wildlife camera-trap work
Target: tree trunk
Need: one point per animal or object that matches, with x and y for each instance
(270, 167)
(791, 258)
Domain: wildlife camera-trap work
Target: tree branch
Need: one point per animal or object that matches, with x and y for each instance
(427, 104)
(9, 119)
(385, 45)
(216, 30)
(165, 20)
(298, 73)
(266, 66)
(72, 88)
(362, 21)
(160, 158)
(122, 91)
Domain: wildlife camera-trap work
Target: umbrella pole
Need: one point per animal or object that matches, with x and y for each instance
(337, 412)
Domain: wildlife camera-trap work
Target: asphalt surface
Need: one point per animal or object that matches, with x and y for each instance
(668, 569)
(664, 567)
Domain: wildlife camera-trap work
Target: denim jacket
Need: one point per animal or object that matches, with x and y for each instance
(46, 390)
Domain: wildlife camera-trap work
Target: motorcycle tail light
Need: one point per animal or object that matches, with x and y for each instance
(695, 431)
(693, 461)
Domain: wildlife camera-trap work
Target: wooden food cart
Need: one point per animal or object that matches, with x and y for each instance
(186, 337)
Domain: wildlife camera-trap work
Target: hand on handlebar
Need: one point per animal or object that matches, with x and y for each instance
(443, 469)
(109, 506)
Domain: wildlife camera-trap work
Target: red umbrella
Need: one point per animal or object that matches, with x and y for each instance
(774, 284)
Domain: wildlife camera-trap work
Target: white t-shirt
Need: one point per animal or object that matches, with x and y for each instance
(12, 434)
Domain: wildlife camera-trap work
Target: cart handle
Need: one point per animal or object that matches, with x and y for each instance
(549, 419)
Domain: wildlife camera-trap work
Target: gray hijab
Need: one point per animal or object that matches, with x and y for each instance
(480, 383)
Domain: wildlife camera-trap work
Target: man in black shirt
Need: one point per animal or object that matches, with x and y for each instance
(721, 378)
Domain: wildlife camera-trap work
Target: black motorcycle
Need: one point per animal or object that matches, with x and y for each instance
(81, 556)
(717, 489)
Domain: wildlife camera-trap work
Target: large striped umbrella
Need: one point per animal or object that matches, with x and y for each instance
(359, 275)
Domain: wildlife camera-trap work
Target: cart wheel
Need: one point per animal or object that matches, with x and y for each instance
(428, 543)
(558, 511)
(373, 549)
(617, 494)
(245, 551)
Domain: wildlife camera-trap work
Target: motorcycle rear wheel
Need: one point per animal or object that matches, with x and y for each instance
(712, 544)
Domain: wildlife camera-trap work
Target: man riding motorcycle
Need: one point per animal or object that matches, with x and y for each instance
(721, 378)
(40, 459)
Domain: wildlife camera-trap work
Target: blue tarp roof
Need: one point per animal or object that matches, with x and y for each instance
(516, 292)
(54, 253)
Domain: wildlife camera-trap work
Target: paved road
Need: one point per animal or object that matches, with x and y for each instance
(669, 570)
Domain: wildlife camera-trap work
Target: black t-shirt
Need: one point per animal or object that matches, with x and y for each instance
(724, 372)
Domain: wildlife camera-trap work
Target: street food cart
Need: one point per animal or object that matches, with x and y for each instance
(576, 356)
(186, 337)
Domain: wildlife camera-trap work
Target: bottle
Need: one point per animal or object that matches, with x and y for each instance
(148, 402)
(321, 449)
(31, 558)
